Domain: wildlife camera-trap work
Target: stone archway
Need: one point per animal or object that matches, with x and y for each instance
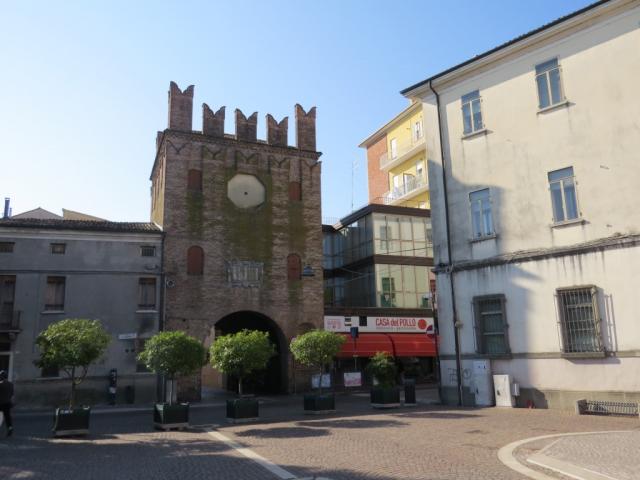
(271, 381)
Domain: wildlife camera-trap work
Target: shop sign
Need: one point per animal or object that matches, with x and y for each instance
(380, 324)
(352, 379)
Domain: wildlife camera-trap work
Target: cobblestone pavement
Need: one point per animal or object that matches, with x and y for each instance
(612, 454)
(424, 442)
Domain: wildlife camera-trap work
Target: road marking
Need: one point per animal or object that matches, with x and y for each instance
(505, 454)
(250, 454)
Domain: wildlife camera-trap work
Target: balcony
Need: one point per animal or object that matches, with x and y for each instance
(404, 151)
(10, 321)
(407, 190)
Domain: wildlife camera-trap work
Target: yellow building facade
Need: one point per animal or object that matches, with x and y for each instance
(398, 162)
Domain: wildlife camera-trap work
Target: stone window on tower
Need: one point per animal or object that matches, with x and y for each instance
(295, 191)
(195, 260)
(294, 267)
(194, 180)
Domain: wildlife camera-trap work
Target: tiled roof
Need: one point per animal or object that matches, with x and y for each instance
(88, 225)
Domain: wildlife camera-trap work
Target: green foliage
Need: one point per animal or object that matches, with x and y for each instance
(383, 369)
(173, 354)
(316, 348)
(241, 353)
(72, 345)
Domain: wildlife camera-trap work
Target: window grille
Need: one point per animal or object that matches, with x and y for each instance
(6, 247)
(147, 251)
(579, 320)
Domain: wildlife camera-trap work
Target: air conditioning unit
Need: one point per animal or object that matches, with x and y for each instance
(503, 388)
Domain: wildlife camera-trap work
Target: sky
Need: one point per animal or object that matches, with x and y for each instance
(83, 85)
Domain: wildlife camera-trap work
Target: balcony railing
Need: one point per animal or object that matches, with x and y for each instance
(405, 189)
(403, 151)
(10, 321)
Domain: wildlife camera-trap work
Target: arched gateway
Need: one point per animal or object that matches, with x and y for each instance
(270, 381)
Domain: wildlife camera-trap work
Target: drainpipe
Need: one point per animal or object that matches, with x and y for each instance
(456, 333)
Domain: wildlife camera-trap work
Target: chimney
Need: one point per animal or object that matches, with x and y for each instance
(7, 210)
(180, 107)
(305, 129)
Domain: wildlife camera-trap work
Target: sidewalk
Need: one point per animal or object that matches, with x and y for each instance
(609, 455)
(424, 396)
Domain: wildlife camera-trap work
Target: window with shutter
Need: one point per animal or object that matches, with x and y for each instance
(195, 260)
(194, 180)
(295, 191)
(294, 267)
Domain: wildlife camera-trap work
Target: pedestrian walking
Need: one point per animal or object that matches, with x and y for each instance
(6, 397)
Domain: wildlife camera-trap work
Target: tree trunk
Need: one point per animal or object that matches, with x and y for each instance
(73, 388)
(240, 387)
(171, 391)
(320, 381)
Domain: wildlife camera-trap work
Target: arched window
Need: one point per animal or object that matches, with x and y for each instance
(195, 260)
(194, 180)
(294, 267)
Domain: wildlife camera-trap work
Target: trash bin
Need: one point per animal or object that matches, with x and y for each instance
(129, 394)
(409, 391)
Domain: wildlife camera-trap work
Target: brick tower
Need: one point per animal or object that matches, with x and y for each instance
(242, 223)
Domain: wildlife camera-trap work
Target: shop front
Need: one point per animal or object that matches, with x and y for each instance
(410, 340)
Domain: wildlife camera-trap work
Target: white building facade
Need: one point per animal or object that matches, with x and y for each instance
(534, 169)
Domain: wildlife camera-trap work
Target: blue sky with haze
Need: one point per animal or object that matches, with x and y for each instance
(83, 85)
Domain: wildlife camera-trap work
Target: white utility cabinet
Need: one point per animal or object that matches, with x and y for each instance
(502, 386)
(482, 384)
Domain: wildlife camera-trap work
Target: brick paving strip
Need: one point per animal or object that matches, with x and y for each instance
(608, 455)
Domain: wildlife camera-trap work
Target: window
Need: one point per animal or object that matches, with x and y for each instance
(147, 251)
(147, 293)
(194, 180)
(417, 130)
(58, 248)
(491, 325)
(394, 147)
(388, 296)
(471, 112)
(295, 191)
(6, 247)
(54, 299)
(549, 84)
(195, 260)
(579, 319)
(294, 267)
(481, 219)
(420, 169)
(363, 321)
(564, 201)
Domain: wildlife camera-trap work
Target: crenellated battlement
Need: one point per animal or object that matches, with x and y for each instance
(181, 118)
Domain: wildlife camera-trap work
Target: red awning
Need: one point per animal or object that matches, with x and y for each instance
(396, 344)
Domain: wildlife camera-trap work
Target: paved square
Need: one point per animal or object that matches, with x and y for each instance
(425, 442)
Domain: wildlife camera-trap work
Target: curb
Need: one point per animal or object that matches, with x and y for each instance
(505, 454)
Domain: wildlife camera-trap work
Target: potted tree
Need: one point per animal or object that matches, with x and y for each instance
(317, 349)
(172, 354)
(70, 346)
(240, 354)
(385, 394)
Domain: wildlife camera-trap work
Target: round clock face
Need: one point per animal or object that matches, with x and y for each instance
(245, 191)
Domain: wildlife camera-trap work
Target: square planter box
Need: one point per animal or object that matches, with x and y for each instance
(166, 416)
(316, 404)
(385, 397)
(241, 410)
(69, 422)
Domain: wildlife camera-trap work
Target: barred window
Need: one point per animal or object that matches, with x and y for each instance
(491, 325)
(579, 319)
(58, 248)
(6, 247)
(147, 251)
